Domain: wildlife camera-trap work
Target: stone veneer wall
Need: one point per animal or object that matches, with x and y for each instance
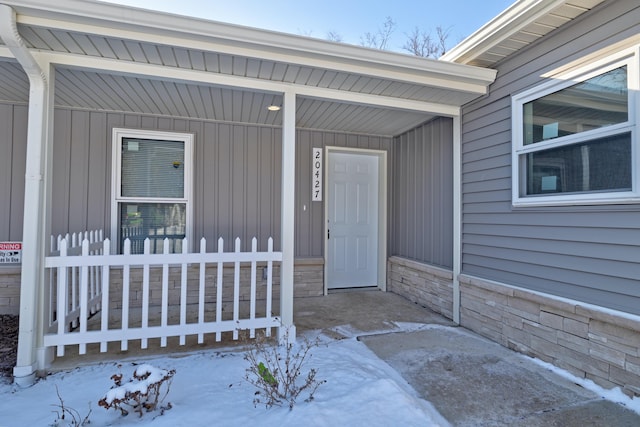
(308, 281)
(9, 290)
(308, 277)
(593, 343)
(590, 342)
(426, 285)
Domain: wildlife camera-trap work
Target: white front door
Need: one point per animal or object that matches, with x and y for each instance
(352, 220)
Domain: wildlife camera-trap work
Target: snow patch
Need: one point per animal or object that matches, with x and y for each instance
(613, 395)
(209, 389)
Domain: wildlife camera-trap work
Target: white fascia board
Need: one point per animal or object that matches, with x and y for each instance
(119, 21)
(5, 52)
(203, 77)
(378, 101)
(513, 19)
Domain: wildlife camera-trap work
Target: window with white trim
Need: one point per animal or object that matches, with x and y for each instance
(575, 138)
(151, 189)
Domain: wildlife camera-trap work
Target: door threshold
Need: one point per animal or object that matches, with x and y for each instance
(354, 289)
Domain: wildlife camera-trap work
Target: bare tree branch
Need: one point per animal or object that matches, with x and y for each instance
(335, 36)
(379, 39)
(443, 35)
(305, 33)
(420, 43)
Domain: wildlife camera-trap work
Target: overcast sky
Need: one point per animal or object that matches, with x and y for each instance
(351, 19)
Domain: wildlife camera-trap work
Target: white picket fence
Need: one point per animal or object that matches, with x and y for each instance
(89, 261)
(65, 300)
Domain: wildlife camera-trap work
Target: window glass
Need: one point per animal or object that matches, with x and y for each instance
(152, 191)
(602, 164)
(155, 221)
(595, 103)
(152, 168)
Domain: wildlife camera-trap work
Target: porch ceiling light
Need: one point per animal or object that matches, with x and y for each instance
(274, 108)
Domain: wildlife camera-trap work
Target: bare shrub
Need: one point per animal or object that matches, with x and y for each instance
(141, 393)
(276, 371)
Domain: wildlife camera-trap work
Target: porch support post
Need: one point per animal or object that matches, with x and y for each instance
(30, 335)
(457, 214)
(287, 329)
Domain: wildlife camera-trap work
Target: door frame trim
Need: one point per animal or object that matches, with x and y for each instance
(382, 210)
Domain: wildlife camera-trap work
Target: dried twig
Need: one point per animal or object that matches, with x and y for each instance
(76, 420)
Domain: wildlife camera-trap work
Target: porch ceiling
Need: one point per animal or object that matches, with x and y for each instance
(117, 58)
(85, 90)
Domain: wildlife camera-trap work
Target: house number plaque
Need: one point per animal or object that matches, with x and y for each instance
(316, 175)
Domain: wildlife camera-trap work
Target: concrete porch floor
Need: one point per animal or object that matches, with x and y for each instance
(338, 315)
(470, 380)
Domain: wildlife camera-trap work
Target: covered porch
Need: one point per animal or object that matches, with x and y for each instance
(338, 315)
(78, 76)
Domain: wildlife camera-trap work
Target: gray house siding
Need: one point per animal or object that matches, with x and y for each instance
(422, 194)
(309, 223)
(585, 253)
(13, 151)
(236, 176)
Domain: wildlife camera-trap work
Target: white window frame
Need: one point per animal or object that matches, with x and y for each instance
(630, 58)
(118, 135)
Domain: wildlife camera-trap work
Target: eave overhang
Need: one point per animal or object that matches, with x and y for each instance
(325, 73)
(521, 24)
(94, 17)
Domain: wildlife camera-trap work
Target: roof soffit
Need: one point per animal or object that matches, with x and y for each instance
(115, 21)
(102, 49)
(521, 24)
(340, 87)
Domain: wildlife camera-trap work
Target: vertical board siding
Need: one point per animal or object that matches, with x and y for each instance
(6, 174)
(99, 187)
(236, 183)
(309, 233)
(587, 253)
(80, 157)
(18, 169)
(13, 151)
(422, 194)
(229, 172)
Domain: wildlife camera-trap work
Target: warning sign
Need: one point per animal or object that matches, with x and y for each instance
(10, 252)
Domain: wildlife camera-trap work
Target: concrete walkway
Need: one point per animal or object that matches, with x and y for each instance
(470, 380)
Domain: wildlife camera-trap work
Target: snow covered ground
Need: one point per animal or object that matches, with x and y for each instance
(209, 389)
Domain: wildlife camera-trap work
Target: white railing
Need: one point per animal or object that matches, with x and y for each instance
(129, 327)
(65, 299)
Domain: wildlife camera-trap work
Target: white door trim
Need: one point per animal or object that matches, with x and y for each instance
(382, 211)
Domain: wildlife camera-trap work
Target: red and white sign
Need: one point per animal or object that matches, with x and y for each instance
(10, 252)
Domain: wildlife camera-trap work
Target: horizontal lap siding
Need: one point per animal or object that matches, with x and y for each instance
(590, 254)
(237, 176)
(422, 203)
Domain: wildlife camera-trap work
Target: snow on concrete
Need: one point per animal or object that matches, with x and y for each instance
(614, 395)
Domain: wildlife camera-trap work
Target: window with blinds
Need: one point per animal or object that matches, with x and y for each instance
(151, 189)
